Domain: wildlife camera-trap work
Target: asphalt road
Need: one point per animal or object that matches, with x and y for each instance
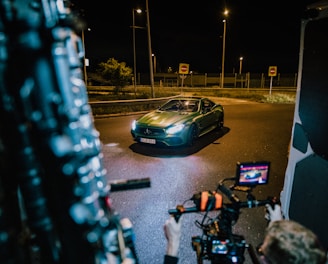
(252, 132)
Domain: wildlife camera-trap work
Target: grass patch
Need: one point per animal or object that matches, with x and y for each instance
(280, 98)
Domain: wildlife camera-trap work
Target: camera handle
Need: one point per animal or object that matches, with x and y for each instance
(252, 254)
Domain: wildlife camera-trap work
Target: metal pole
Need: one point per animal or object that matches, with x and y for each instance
(240, 64)
(84, 64)
(134, 54)
(151, 69)
(271, 84)
(154, 62)
(223, 52)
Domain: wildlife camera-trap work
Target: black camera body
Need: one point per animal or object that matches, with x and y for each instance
(220, 248)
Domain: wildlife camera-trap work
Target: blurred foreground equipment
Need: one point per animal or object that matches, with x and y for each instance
(54, 200)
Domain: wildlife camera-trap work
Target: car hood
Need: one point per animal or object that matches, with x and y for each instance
(163, 119)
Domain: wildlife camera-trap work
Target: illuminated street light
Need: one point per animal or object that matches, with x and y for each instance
(85, 61)
(225, 13)
(154, 56)
(151, 69)
(240, 64)
(134, 49)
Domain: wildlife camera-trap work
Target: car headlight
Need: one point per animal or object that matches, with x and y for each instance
(174, 129)
(134, 125)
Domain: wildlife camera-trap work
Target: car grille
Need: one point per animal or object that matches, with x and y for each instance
(150, 131)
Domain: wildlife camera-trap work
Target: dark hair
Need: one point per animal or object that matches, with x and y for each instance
(288, 242)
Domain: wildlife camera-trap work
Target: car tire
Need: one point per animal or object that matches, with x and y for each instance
(220, 122)
(192, 135)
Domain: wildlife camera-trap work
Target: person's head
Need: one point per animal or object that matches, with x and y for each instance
(288, 242)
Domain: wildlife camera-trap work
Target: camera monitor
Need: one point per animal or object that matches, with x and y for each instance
(252, 173)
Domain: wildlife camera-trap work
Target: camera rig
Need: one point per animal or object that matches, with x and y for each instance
(218, 243)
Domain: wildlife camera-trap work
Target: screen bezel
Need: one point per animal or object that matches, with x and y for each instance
(243, 167)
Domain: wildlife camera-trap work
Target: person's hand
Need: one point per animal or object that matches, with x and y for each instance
(172, 231)
(273, 214)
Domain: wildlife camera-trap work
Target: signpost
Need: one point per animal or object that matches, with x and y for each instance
(183, 69)
(272, 73)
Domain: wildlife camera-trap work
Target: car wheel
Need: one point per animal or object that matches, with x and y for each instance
(220, 122)
(192, 135)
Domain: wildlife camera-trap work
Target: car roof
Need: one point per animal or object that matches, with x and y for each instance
(189, 98)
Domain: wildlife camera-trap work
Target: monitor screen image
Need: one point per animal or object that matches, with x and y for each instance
(252, 173)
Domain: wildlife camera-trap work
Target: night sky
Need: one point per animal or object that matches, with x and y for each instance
(264, 33)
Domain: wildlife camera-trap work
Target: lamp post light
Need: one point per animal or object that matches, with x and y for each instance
(84, 58)
(151, 69)
(134, 49)
(240, 64)
(225, 13)
(154, 56)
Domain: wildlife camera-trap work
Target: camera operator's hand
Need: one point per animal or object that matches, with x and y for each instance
(172, 231)
(273, 214)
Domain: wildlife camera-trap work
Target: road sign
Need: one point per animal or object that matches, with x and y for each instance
(183, 68)
(272, 71)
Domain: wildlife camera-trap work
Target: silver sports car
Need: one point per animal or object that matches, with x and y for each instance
(180, 121)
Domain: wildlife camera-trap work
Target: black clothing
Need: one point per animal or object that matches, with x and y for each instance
(170, 260)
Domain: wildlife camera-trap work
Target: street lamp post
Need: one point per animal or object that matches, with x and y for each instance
(240, 64)
(155, 63)
(225, 13)
(134, 50)
(223, 52)
(84, 58)
(151, 69)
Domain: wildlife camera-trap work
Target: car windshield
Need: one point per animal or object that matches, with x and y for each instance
(180, 105)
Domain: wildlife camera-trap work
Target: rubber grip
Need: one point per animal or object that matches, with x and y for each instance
(203, 201)
(123, 185)
(232, 197)
(218, 200)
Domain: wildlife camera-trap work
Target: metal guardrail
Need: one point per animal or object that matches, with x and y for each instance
(103, 108)
(145, 89)
(100, 108)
